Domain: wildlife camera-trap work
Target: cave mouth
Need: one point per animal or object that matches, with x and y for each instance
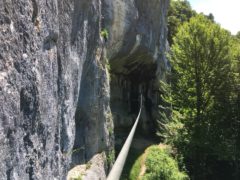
(128, 81)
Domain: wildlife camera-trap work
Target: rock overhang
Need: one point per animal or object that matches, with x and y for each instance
(137, 38)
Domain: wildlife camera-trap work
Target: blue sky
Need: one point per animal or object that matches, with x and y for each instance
(226, 13)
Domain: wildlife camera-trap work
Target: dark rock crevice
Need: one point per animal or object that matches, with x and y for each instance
(9, 173)
(35, 11)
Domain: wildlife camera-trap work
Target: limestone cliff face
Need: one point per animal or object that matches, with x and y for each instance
(54, 85)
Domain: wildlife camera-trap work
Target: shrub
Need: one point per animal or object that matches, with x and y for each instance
(104, 34)
(161, 165)
(111, 157)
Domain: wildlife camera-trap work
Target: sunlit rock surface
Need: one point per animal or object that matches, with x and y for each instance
(54, 86)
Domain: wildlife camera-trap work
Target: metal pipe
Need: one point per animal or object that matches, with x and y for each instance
(117, 168)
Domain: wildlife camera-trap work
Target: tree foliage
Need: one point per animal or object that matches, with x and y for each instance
(178, 13)
(204, 125)
(238, 35)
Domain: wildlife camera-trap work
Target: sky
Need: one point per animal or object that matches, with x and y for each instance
(226, 13)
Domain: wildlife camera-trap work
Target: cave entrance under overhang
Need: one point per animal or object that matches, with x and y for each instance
(129, 79)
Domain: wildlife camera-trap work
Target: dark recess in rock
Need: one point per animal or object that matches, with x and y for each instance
(9, 173)
(50, 41)
(4, 19)
(30, 169)
(35, 11)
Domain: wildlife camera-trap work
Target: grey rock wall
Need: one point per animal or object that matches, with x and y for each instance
(50, 64)
(54, 84)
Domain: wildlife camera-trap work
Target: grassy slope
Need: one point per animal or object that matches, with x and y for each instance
(135, 166)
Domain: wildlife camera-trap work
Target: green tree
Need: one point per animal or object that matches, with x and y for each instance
(238, 35)
(202, 86)
(235, 130)
(210, 17)
(178, 13)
